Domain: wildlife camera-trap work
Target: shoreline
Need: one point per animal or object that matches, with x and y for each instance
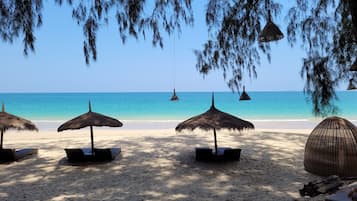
(295, 124)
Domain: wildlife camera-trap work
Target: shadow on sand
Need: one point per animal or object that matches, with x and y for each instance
(163, 168)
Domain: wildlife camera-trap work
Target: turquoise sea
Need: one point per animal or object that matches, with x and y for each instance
(156, 105)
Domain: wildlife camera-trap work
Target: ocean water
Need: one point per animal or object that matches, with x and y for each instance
(287, 106)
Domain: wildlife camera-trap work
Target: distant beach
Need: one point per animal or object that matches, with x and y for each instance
(171, 124)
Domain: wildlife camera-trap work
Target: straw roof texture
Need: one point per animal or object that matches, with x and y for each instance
(214, 119)
(9, 121)
(331, 148)
(90, 119)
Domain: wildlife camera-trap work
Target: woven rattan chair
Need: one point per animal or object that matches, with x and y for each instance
(331, 148)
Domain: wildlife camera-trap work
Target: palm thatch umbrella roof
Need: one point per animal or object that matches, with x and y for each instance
(244, 96)
(331, 148)
(214, 119)
(90, 119)
(270, 32)
(9, 121)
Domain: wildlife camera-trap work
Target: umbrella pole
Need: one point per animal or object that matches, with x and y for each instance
(2, 133)
(91, 138)
(215, 140)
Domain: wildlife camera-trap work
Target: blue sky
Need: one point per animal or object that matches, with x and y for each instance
(58, 63)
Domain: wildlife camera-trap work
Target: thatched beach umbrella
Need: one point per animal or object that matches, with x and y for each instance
(9, 121)
(331, 148)
(214, 119)
(90, 119)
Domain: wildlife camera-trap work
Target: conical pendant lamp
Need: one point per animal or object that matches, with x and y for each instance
(351, 86)
(244, 96)
(354, 66)
(271, 31)
(174, 97)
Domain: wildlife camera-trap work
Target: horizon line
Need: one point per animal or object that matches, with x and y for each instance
(135, 91)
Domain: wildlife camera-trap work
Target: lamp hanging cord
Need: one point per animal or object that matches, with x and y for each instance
(174, 60)
(267, 7)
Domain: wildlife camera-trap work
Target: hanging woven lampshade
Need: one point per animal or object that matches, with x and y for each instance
(351, 86)
(244, 96)
(354, 66)
(174, 97)
(271, 31)
(331, 148)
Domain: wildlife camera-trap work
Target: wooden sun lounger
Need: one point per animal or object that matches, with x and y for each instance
(223, 154)
(85, 154)
(108, 154)
(75, 155)
(232, 154)
(9, 155)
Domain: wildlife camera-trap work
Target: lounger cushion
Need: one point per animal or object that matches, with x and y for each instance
(108, 154)
(221, 150)
(344, 194)
(8, 155)
(22, 153)
(115, 152)
(87, 152)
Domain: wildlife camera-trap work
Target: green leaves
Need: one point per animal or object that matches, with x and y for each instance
(20, 17)
(326, 29)
(233, 48)
(330, 45)
(320, 84)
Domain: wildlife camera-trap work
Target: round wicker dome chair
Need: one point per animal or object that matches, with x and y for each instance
(331, 148)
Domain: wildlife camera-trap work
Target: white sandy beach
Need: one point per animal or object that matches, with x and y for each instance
(157, 164)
